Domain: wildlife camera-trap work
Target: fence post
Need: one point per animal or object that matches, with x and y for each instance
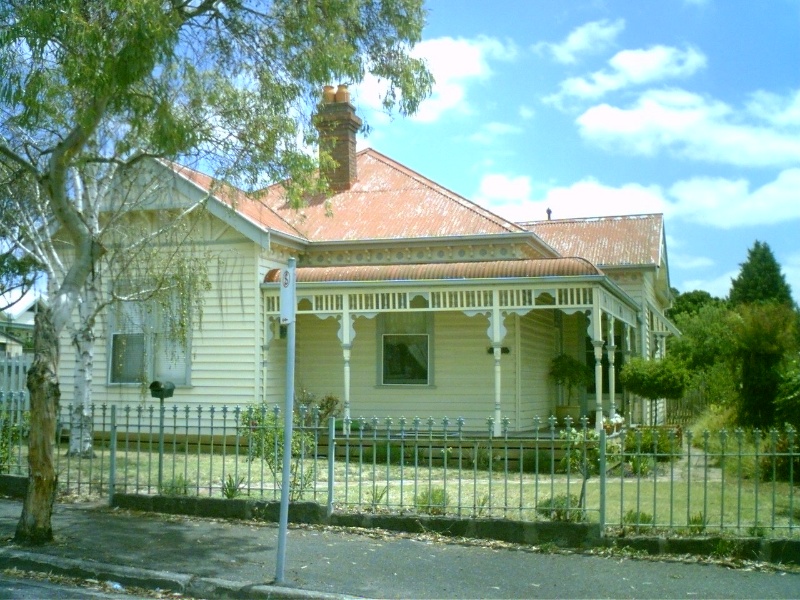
(112, 472)
(331, 461)
(602, 482)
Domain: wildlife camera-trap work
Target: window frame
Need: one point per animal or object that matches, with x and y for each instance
(383, 333)
(147, 323)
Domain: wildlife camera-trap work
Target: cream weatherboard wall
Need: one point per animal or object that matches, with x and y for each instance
(537, 342)
(462, 368)
(225, 357)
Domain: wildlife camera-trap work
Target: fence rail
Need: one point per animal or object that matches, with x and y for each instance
(656, 479)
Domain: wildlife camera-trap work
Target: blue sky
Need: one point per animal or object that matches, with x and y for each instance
(689, 108)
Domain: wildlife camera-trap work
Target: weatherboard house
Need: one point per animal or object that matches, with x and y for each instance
(411, 301)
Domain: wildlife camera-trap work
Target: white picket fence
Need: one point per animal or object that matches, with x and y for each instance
(13, 372)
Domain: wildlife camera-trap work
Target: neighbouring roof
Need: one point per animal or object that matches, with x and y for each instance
(606, 241)
(541, 267)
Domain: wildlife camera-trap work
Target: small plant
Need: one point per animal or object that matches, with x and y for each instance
(571, 373)
(562, 508)
(177, 487)
(637, 518)
(697, 523)
(483, 456)
(583, 454)
(731, 548)
(377, 496)
(537, 461)
(482, 505)
(232, 488)
(432, 501)
(642, 466)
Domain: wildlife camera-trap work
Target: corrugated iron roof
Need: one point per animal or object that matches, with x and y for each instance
(388, 201)
(251, 208)
(605, 241)
(540, 267)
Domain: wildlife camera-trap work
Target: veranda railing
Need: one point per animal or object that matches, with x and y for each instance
(656, 479)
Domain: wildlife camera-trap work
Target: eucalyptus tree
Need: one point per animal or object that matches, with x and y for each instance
(18, 270)
(92, 85)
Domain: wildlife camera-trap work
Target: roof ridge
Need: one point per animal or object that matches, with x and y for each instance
(590, 219)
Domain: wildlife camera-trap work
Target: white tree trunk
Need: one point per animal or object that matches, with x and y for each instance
(80, 427)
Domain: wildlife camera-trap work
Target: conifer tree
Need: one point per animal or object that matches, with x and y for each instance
(760, 279)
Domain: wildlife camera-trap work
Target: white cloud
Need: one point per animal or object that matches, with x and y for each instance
(716, 202)
(729, 203)
(791, 270)
(490, 132)
(777, 110)
(591, 37)
(690, 126)
(510, 197)
(717, 286)
(526, 113)
(455, 64)
(633, 67)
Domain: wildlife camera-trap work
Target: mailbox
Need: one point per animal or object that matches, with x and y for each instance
(162, 389)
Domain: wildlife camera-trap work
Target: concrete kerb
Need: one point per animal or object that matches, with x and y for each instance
(562, 535)
(201, 587)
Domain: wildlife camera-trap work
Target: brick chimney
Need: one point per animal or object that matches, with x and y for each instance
(338, 124)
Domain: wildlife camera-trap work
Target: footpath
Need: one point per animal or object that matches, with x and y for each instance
(216, 558)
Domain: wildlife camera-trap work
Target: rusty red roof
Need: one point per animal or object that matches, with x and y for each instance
(540, 267)
(606, 241)
(388, 201)
(251, 208)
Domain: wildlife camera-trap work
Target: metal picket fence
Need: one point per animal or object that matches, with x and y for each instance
(642, 479)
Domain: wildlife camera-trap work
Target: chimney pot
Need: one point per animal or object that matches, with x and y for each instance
(328, 95)
(549, 214)
(342, 94)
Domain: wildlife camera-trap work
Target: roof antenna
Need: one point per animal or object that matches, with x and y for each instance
(549, 213)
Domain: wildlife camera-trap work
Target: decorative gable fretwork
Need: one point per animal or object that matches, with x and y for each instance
(412, 255)
(517, 298)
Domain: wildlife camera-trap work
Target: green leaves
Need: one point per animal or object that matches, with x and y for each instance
(760, 279)
(654, 379)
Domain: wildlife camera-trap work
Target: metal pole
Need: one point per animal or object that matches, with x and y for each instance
(161, 445)
(331, 458)
(112, 475)
(287, 316)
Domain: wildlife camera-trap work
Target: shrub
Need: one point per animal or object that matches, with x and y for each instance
(583, 454)
(661, 443)
(262, 431)
(12, 429)
(231, 487)
(432, 501)
(562, 508)
(635, 517)
(176, 487)
(536, 461)
(777, 462)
